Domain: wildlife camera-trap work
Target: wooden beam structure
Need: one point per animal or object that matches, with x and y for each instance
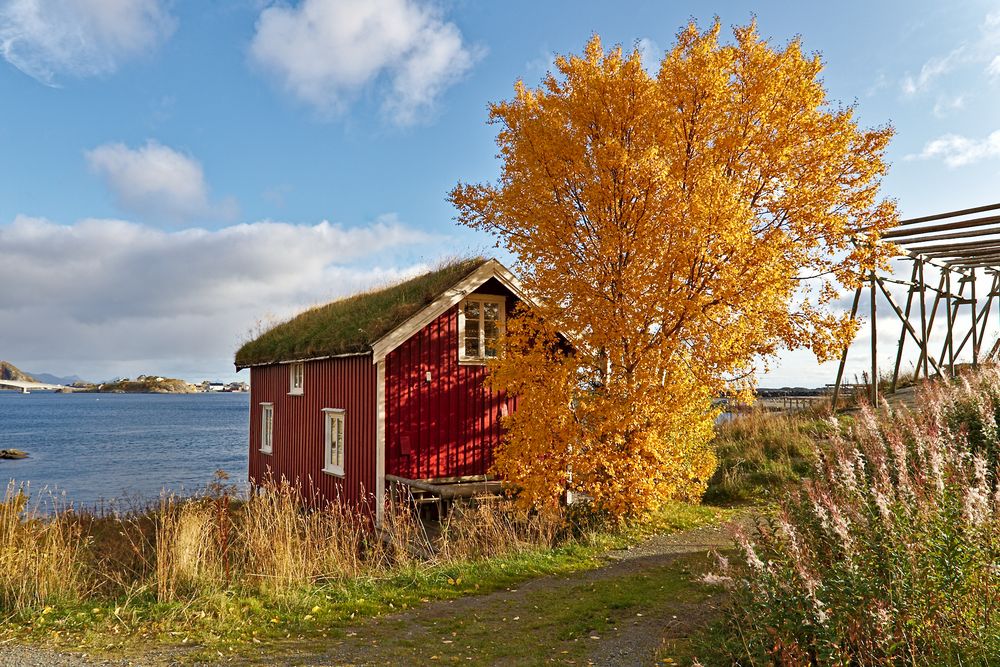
(961, 246)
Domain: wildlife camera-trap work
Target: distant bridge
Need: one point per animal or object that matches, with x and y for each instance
(26, 387)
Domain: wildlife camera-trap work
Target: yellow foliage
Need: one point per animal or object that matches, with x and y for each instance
(668, 224)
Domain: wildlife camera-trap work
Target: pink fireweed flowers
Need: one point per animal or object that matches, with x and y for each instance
(888, 554)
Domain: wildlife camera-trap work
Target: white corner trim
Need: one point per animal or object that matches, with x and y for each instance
(490, 269)
(379, 441)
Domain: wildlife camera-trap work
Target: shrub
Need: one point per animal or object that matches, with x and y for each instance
(888, 554)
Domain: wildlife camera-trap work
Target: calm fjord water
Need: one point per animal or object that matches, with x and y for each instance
(106, 446)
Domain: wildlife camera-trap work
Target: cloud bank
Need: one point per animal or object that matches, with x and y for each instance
(324, 52)
(49, 38)
(106, 297)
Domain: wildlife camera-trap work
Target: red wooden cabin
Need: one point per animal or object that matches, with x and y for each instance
(385, 382)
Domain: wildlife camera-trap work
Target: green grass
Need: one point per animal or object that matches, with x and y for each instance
(563, 623)
(761, 454)
(352, 324)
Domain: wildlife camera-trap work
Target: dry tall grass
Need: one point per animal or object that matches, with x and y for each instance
(280, 543)
(187, 558)
(40, 557)
(267, 542)
(277, 543)
(494, 528)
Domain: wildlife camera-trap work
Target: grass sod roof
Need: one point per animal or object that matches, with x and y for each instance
(350, 325)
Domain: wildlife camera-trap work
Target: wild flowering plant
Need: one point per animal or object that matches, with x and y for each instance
(890, 553)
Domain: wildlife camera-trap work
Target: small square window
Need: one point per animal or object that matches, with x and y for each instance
(266, 427)
(333, 446)
(296, 378)
(480, 326)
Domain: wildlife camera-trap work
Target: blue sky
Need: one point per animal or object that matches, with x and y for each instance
(174, 174)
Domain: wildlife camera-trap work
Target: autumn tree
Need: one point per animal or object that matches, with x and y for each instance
(669, 226)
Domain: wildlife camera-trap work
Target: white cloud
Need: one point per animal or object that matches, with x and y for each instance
(108, 296)
(156, 182)
(325, 51)
(881, 81)
(944, 106)
(957, 151)
(542, 64)
(48, 38)
(993, 69)
(650, 53)
(933, 69)
(978, 51)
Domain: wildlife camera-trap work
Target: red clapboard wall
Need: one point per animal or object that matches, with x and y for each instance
(298, 430)
(447, 427)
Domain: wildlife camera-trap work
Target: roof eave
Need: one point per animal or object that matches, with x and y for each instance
(278, 362)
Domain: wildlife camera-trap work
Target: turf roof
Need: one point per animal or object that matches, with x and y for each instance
(352, 324)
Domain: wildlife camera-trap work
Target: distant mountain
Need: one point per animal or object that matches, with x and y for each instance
(49, 378)
(9, 371)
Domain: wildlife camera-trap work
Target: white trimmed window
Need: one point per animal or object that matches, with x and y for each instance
(296, 378)
(266, 427)
(480, 325)
(333, 439)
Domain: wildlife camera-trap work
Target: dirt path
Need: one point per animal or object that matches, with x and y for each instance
(644, 602)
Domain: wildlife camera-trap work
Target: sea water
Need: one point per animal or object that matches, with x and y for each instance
(126, 448)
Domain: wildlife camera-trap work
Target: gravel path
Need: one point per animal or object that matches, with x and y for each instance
(20, 655)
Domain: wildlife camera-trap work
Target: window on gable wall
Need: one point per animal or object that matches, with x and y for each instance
(480, 325)
(296, 378)
(266, 427)
(333, 420)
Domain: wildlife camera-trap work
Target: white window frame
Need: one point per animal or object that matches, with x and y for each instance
(463, 356)
(266, 428)
(296, 378)
(330, 465)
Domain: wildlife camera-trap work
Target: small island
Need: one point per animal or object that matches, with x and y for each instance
(143, 384)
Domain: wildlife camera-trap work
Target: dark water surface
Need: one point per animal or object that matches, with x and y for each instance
(98, 447)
